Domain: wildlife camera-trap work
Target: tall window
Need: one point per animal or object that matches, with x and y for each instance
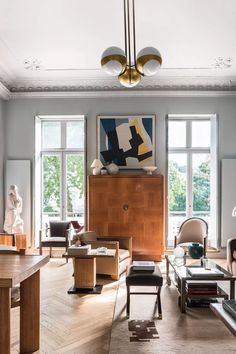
(59, 169)
(192, 172)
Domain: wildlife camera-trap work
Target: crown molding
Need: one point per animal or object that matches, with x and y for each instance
(115, 93)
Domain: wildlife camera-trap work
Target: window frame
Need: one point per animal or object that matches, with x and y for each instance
(189, 150)
(62, 151)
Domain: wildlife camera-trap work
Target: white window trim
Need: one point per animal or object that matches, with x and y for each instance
(37, 163)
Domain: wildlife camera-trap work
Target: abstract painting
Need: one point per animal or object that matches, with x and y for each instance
(127, 141)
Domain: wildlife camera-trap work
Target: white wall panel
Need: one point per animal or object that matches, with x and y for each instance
(228, 200)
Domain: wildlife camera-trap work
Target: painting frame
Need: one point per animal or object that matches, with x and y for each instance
(129, 141)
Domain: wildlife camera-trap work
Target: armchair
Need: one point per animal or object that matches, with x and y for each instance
(231, 255)
(56, 235)
(113, 266)
(193, 230)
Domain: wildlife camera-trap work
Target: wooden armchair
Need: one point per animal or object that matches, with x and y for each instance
(113, 266)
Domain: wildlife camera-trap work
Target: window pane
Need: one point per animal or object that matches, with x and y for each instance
(51, 135)
(75, 134)
(177, 184)
(201, 134)
(51, 185)
(75, 187)
(177, 134)
(201, 185)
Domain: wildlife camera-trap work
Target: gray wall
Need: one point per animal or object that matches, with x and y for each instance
(1, 161)
(20, 115)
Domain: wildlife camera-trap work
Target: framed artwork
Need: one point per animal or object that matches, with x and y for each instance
(127, 141)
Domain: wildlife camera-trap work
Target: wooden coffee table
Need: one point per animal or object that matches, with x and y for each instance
(85, 272)
(182, 276)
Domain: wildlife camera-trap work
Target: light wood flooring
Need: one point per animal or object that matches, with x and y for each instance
(70, 324)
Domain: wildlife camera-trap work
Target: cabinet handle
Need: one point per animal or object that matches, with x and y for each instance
(125, 207)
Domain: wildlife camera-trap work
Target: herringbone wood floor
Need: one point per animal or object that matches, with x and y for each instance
(70, 324)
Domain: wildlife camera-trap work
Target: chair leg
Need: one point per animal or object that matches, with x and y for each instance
(50, 252)
(159, 302)
(40, 251)
(128, 301)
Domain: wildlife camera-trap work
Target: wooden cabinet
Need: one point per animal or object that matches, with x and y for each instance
(126, 205)
(20, 240)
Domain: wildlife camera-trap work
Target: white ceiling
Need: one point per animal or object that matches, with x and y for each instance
(67, 38)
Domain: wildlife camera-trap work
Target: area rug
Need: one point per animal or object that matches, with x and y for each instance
(197, 331)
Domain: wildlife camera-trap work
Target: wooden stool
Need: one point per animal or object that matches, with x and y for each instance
(144, 278)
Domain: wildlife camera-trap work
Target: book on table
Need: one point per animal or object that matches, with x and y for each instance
(144, 265)
(194, 287)
(198, 271)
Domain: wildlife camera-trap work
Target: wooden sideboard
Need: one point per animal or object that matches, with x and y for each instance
(129, 205)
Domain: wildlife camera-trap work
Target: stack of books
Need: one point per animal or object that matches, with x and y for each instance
(143, 266)
(201, 288)
(202, 272)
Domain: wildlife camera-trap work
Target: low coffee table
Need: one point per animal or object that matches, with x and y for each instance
(182, 276)
(85, 272)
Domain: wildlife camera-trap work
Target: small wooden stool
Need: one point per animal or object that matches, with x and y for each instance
(144, 278)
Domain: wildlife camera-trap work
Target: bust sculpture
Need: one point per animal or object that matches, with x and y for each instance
(13, 222)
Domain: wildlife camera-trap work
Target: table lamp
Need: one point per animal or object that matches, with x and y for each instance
(96, 166)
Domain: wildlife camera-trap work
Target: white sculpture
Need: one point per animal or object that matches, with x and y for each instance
(13, 222)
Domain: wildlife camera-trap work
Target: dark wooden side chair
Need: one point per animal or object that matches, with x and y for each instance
(57, 235)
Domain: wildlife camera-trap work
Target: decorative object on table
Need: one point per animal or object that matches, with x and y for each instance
(127, 141)
(104, 171)
(179, 254)
(96, 166)
(195, 250)
(149, 169)
(102, 250)
(193, 230)
(112, 169)
(127, 66)
(13, 222)
(204, 262)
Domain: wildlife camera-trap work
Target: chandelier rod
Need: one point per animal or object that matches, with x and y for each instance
(125, 27)
(129, 49)
(134, 37)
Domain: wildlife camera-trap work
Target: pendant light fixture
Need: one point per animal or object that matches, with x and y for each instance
(125, 64)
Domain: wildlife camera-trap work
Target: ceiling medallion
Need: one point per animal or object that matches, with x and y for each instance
(124, 64)
(33, 64)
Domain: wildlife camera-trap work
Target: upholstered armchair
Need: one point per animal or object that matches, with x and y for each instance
(193, 230)
(57, 235)
(231, 255)
(113, 266)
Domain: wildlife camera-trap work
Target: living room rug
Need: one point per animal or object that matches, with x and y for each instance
(197, 331)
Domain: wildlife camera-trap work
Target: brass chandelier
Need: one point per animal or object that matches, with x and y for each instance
(125, 64)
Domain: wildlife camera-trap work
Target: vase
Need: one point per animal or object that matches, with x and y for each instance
(195, 250)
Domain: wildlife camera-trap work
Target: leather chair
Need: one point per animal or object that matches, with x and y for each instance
(57, 235)
(193, 230)
(231, 255)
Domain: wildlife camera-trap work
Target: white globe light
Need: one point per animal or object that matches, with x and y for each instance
(113, 61)
(179, 252)
(149, 61)
(130, 77)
